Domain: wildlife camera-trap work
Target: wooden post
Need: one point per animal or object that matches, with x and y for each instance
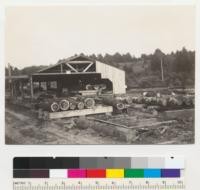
(10, 82)
(61, 68)
(12, 91)
(21, 89)
(162, 73)
(48, 85)
(31, 85)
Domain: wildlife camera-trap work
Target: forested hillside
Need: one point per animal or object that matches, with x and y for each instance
(145, 71)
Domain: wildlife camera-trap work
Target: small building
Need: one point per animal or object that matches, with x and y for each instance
(77, 74)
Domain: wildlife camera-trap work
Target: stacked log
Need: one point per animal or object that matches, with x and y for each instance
(55, 107)
(150, 100)
(51, 106)
(134, 99)
(80, 105)
(128, 100)
(137, 99)
(161, 101)
(75, 103)
(88, 102)
(175, 101)
(72, 103)
(193, 101)
(111, 101)
(64, 104)
(189, 100)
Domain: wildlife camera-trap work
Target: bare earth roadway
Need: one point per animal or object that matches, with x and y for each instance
(23, 127)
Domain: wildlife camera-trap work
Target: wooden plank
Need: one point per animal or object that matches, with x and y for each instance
(110, 123)
(121, 133)
(79, 62)
(17, 77)
(87, 92)
(96, 110)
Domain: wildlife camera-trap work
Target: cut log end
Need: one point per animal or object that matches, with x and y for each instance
(120, 106)
(72, 106)
(80, 105)
(64, 105)
(89, 102)
(55, 107)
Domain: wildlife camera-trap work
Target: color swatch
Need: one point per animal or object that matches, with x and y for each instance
(97, 173)
(98, 167)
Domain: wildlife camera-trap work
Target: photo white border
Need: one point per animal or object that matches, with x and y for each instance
(191, 152)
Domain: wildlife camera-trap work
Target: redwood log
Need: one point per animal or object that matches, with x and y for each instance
(161, 101)
(89, 102)
(80, 105)
(55, 107)
(64, 104)
(128, 100)
(113, 102)
(51, 106)
(72, 103)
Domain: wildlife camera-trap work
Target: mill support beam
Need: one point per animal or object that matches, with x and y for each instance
(31, 86)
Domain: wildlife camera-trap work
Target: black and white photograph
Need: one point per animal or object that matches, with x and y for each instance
(100, 74)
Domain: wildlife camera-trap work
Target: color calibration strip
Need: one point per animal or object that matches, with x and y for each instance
(98, 173)
(98, 167)
(98, 162)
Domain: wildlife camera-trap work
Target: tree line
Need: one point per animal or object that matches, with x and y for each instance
(144, 71)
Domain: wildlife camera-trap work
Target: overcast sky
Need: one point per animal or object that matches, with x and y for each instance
(42, 35)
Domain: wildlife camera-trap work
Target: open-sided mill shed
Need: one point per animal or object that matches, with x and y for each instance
(80, 73)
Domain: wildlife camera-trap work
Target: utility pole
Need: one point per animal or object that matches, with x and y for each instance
(10, 80)
(162, 73)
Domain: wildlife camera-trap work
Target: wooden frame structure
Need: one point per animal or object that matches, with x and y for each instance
(71, 71)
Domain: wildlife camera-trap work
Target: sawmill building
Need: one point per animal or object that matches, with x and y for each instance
(76, 74)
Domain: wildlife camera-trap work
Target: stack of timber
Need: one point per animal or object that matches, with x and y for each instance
(166, 101)
(64, 104)
(126, 99)
(88, 102)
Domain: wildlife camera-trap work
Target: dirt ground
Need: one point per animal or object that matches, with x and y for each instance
(23, 127)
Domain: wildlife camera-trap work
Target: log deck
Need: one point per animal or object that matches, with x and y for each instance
(74, 113)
